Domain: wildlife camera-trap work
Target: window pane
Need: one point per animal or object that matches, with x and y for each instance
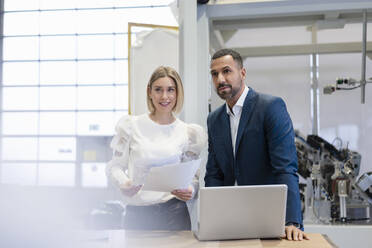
(118, 115)
(57, 123)
(19, 173)
(54, 98)
(96, 97)
(61, 72)
(161, 16)
(57, 149)
(20, 98)
(121, 46)
(95, 123)
(122, 17)
(95, 21)
(58, 22)
(58, 47)
(19, 148)
(21, 23)
(92, 72)
(161, 2)
(20, 73)
(94, 3)
(21, 5)
(58, 174)
(100, 46)
(120, 3)
(14, 123)
(57, 4)
(121, 71)
(21, 48)
(94, 175)
(121, 97)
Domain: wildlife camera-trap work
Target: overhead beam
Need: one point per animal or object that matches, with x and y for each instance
(216, 40)
(284, 8)
(292, 21)
(326, 48)
(228, 34)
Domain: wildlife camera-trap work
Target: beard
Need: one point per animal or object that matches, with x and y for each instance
(226, 93)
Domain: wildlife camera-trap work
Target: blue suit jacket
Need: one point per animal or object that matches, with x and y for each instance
(265, 152)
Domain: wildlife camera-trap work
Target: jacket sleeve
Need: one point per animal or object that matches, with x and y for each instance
(283, 156)
(213, 175)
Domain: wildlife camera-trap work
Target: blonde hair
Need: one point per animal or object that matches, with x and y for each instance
(165, 71)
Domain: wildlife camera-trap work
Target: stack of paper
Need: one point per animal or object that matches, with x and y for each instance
(170, 177)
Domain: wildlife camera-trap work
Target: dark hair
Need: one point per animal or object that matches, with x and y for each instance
(226, 51)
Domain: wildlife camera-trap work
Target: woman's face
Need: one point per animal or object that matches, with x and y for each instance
(163, 94)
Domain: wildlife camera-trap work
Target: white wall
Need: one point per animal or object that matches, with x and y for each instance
(158, 47)
(287, 77)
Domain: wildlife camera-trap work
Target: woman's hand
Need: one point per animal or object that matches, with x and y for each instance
(129, 189)
(183, 194)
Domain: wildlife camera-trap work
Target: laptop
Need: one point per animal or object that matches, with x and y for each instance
(242, 212)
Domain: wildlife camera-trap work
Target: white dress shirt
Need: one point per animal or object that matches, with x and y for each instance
(235, 116)
(140, 143)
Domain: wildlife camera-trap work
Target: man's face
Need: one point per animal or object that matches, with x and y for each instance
(228, 77)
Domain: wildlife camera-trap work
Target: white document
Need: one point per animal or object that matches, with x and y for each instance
(170, 177)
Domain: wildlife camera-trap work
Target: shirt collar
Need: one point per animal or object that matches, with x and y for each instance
(240, 101)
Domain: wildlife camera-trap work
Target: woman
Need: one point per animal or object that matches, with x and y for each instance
(155, 139)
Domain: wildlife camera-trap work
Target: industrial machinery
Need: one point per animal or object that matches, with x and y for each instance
(333, 192)
(344, 84)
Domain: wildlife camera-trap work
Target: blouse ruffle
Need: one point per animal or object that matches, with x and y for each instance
(126, 164)
(197, 139)
(122, 137)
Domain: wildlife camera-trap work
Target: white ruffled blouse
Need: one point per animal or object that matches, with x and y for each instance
(140, 143)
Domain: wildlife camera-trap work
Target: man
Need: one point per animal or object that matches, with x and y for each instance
(251, 138)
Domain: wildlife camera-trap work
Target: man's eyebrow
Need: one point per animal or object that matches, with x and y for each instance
(223, 68)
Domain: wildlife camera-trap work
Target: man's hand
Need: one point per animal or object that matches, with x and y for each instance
(293, 233)
(129, 189)
(183, 194)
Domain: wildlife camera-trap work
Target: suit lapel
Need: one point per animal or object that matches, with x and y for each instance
(248, 107)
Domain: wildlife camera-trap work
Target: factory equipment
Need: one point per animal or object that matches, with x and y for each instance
(348, 83)
(333, 192)
(344, 84)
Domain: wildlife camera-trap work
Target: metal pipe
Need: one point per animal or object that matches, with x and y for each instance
(364, 48)
(343, 216)
(342, 193)
(315, 94)
(314, 84)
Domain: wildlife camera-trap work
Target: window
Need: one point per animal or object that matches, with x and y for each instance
(65, 72)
